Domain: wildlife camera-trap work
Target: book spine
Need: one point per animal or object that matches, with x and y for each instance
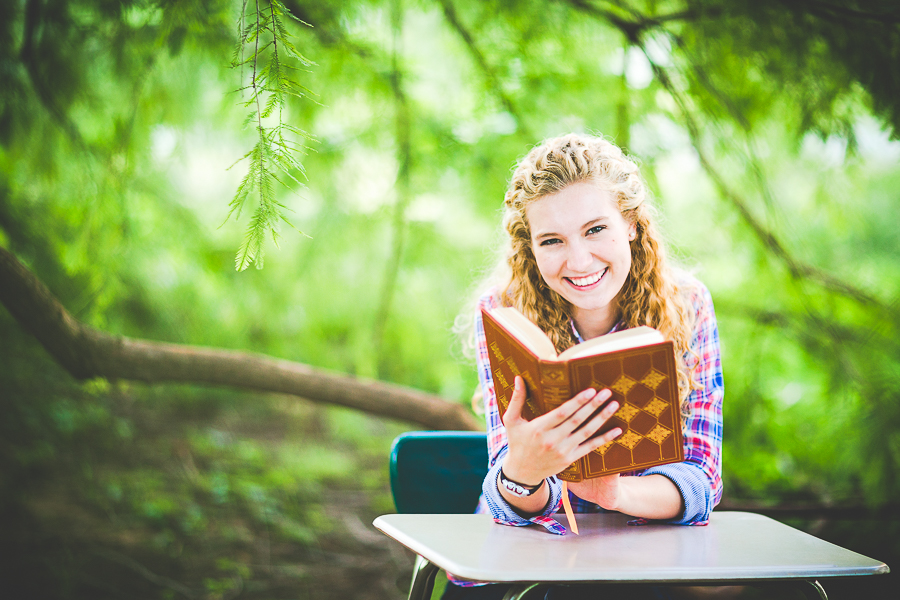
(556, 391)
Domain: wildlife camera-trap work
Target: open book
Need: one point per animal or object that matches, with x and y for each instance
(637, 365)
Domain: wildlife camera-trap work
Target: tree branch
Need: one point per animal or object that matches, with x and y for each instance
(86, 352)
(632, 30)
(804, 325)
(797, 268)
(324, 22)
(489, 73)
(829, 339)
(33, 17)
(840, 14)
(401, 201)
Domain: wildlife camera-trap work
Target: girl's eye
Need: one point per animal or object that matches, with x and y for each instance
(596, 229)
(550, 242)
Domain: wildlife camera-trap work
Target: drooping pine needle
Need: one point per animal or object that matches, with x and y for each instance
(274, 157)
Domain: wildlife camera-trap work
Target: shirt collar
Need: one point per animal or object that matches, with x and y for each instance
(578, 337)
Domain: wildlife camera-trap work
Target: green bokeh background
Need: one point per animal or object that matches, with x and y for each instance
(118, 122)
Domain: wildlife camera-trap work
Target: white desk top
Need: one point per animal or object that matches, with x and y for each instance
(735, 546)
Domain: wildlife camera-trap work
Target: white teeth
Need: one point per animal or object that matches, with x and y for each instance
(590, 279)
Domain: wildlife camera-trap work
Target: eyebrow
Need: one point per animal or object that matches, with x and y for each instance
(588, 225)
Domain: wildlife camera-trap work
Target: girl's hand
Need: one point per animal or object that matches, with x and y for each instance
(548, 444)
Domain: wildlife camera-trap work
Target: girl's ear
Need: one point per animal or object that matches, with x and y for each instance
(632, 232)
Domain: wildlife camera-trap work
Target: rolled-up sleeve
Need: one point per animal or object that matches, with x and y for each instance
(505, 514)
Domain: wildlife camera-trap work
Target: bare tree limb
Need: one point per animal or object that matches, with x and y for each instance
(401, 201)
(489, 73)
(632, 30)
(634, 26)
(840, 14)
(797, 268)
(805, 325)
(42, 90)
(86, 352)
(323, 19)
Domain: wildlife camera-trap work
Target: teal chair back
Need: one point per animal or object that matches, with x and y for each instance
(438, 472)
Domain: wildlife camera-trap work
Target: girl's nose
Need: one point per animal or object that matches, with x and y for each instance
(579, 257)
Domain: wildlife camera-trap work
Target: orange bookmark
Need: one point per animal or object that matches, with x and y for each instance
(568, 508)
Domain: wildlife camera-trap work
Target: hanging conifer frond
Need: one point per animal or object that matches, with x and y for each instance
(263, 47)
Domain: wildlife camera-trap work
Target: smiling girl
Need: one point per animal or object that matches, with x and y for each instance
(584, 259)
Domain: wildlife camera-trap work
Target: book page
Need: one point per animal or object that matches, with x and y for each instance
(530, 335)
(620, 340)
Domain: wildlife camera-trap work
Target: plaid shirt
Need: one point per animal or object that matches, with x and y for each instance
(698, 478)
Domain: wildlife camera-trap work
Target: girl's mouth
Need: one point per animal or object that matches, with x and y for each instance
(586, 282)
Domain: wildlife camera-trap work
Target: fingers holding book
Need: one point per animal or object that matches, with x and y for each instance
(585, 420)
(548, 444)
(589, 432)
(582, 416)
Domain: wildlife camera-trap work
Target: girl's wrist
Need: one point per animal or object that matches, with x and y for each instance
(521, 476)
(518, 488)
(524, 506)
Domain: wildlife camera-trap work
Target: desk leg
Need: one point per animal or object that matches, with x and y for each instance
(812, 590)
(526, 590)
(422, 580)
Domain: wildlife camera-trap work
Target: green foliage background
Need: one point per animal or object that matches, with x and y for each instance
(766, 129)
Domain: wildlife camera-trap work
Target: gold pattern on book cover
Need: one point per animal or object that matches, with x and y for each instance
(507, 385)
(526, 375)
(500, 379)
(659, 434)
(623, 385)
(555, 396)
(653, 379)
(553, 373)
(655, 407)
(570, 471)
(644, 414)
(627, 412)
(513, 366)
(629, 439)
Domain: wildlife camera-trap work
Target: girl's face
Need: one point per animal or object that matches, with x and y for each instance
(582, 246)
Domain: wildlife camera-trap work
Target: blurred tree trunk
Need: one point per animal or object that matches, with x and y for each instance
(86, 352)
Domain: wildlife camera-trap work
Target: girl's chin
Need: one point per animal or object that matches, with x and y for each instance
(581, 302)
(590, 302)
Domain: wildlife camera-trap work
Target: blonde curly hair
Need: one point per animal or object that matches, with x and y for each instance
(650, 294)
